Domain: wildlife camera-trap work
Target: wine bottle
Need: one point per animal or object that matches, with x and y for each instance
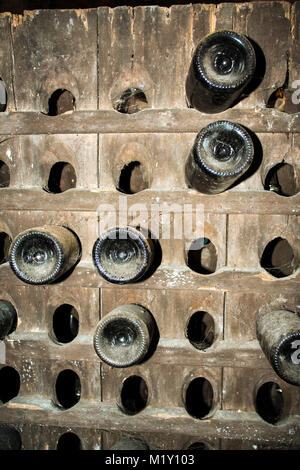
(8, 318)
(223, 64)
(123, 336)
(9, 438)
(278, 333)
(123, 255)
(221, 154)
(129, 444)
(42, 255)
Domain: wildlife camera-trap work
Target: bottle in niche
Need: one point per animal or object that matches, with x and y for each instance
(223, 64)
(123, 336)
(123, 255)
(129, 444)
(8, 319)
(222, 152)
(278, 333)
(41, 255)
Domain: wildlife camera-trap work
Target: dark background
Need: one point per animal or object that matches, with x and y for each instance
(17, 6)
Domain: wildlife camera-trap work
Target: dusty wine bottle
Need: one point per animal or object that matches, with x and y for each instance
(41, 255)
(8, 318)
(123, 336)
(9, 438)
(129, 444)
(123, 254)
(278, 333)
(223, 64)
(222, 153)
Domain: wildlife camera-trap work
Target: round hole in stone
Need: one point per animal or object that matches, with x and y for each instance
(65, 323)
(277, 99)
(199, 446)
(202, 256)
(130, 101)
(133, 178)
(281, 179)
(5, 242)
(269, 402)
(10, 438)
(201, 330)
(62, 177)
(69, 441)
(60, 102)
(68, 389)
(134, 395)
(3, 96)
(9, 383)
(4, 175)
(278, 258)
(199, 398)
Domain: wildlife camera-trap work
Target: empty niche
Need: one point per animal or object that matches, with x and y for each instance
(5, 242)
(65, 324)
(278, 258)
(131, 169)
(61, 101)
(282, 180)
(4, 175)
(200, 330)
(199, 398)
(68, 389)
(202, 256)
(62, 176)
(9, 384)
(134, 395)
(130, 101)
(69, 441)
(133, 178)
(199, 445)
(269, 402)
(10, 438)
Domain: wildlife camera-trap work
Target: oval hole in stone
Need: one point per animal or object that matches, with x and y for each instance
(4, 175)
(281, 179)
(199, 398)
(269, 402)
(60, 102)
(202, 256)
(201, 330)
(9, 383)
(130, 101)
(134, 395)
(278, 258)
(62, 177)
(68, 389)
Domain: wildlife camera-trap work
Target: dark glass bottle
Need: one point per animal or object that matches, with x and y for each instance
(222, 153)
(8, 318)
(9, 438)
(130, 444)
(278, 333)
(123, 336)
(123, 255)
(41, 255)
(222, 65)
